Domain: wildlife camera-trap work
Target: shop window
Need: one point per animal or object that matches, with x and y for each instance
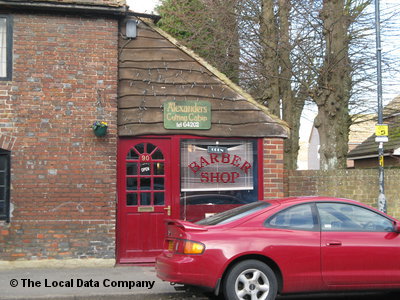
(4, 185)
(145, 178)
(5, 47)
(217, 175)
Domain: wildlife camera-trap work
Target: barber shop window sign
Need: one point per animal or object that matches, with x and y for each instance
(217, 167)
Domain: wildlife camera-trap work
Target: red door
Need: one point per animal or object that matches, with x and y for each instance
(144, 200)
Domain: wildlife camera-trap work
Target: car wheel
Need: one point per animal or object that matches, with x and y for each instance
(250, 280)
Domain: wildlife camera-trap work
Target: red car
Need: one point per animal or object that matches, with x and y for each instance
(199, 206)
(291, 245)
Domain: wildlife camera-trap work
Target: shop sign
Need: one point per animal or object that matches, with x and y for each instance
(242, 167)
(210, 166)
(217, 149)
(145, 169)
(187, 115)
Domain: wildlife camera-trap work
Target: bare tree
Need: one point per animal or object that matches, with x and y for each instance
(292, 53)
(305, 56)
(209, 27)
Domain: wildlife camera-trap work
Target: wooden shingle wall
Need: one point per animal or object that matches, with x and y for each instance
(154, 68)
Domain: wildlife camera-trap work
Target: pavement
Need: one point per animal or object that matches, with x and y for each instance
(87, 283)
(93, 280)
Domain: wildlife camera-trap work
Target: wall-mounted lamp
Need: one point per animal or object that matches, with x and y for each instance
(131, 29)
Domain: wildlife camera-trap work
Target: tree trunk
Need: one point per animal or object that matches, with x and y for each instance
(270, 57)
(233, 46)
(291, 108)
(278, 92)
(334, 84)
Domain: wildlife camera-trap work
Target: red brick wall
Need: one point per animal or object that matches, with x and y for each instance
(273, 171)
(63, 188)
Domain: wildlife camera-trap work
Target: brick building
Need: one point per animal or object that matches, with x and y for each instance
(70, 63)
(63, 77)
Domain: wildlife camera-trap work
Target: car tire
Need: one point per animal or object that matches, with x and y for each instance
(250, 279)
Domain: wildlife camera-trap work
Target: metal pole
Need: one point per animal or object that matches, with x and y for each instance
(381, 197)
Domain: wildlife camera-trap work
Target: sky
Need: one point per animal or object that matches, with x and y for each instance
(142, 6)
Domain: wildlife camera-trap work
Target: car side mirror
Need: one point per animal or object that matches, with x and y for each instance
(396, 227)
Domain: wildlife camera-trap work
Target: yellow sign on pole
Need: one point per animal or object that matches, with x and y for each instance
(381, 130)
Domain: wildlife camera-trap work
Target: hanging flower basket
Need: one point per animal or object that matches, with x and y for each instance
(100, 128)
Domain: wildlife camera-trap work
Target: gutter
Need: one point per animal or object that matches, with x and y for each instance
(367, 156)
(121, 11)
(389, 153)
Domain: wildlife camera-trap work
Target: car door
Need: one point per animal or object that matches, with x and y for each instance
(293, 242)
(358, 246)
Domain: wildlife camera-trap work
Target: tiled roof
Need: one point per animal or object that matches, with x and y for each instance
(393, 108)
(370, 147)
(361, 129)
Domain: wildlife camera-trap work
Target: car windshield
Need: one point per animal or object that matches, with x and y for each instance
(234, 214)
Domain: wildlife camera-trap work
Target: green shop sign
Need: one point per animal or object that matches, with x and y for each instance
(187, 115)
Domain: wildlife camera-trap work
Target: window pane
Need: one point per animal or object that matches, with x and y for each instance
(140, 148)
(145, 169)
(131, 169)
(158, 198)
(347, 217)
(3, 163)
(234, 214)
(2, 202)
(223, 165)
(299, 217)
(131, 199)
(132, 155)
(3, 47)
(150, 148)
(131, 184)
(158, 168)
(158, 155)
(158, 183)
(4, 184)
(145, 199)
(145, 183)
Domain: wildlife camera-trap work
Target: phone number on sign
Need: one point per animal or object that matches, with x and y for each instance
(188, 124)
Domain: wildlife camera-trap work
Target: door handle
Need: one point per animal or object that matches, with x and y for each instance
(168, 209)
(334, 243)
